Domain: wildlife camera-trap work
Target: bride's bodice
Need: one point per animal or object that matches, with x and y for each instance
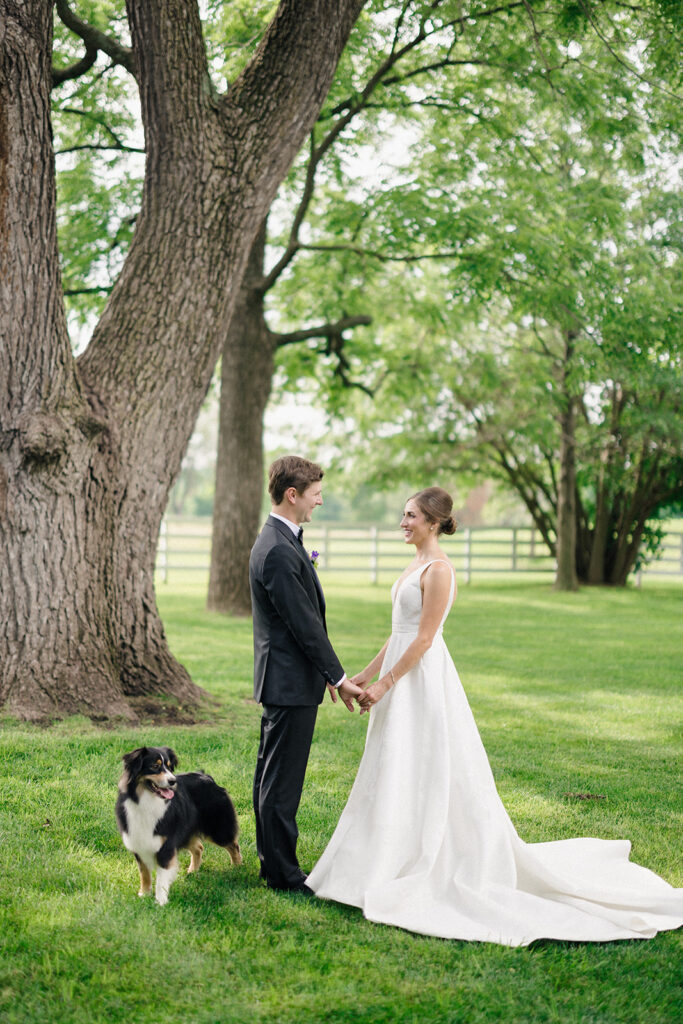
(406, 600)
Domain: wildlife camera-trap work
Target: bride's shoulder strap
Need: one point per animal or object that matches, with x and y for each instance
(437, 561)
(451, 570)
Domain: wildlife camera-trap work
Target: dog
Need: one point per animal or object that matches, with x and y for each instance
(159, 813)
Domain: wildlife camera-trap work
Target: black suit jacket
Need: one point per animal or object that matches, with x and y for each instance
(293, 657)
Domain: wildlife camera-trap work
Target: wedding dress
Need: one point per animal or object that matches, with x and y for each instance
(425, 843)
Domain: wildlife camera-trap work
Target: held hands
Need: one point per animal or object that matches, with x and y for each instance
(372, 694)
(347, 691)
(357, 689)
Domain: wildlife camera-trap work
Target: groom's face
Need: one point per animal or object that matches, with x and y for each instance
(306, 502)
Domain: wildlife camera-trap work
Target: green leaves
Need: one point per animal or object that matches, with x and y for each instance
(99, 159)
(528, 205)
(488, 180)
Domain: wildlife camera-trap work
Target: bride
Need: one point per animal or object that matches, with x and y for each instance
(424, 841)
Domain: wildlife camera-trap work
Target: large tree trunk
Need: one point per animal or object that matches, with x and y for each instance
(88, 451)
(246, 377)
(55, 636)
(565, 577)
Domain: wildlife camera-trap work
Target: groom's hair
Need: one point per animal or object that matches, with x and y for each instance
(291, 471)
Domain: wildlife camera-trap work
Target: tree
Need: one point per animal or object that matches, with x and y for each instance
(542, 341)
(90, 446)
(247, 367)
(396, 52)
(248, 362)
(465, 81)
(584, 424)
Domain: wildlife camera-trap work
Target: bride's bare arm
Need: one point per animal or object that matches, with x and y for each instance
(436, 592)
(367, 674)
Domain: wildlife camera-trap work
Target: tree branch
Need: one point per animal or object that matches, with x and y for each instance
(354, 105)
(399, 24)
(522, 486)
(88, 115)
(537, 40)
(588, 11)
(76, 70)
(334, 334)
(351, 103)
(383, 257)
(293, 32)
(173, 76)
(96, 290)
(447, 62)
(322, 330)
(94, 40)
(119, 148)
(293, 242)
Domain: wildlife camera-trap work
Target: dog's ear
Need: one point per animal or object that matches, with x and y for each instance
(133, 760)
(171, 757)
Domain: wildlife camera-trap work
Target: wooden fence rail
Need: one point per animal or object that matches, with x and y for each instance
(380, 554)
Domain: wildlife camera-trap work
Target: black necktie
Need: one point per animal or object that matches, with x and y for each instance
(299, 535)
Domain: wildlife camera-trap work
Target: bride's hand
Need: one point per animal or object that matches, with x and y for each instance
(368, 698)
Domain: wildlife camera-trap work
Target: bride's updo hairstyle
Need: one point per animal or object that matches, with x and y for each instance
(436, 505)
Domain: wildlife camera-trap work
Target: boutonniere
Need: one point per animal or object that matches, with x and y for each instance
(314, 559)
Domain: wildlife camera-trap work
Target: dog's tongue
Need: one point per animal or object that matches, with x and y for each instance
(167, 794)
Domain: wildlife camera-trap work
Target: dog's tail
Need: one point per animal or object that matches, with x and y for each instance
(217, 815)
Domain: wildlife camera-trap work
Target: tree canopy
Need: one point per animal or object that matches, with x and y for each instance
(492, 185)
(523, 275)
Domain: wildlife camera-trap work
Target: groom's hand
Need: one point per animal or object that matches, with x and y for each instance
(347, 691)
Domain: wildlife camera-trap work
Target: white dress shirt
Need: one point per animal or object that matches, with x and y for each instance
(294, 527)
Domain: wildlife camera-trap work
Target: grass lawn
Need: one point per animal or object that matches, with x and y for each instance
(573, 693)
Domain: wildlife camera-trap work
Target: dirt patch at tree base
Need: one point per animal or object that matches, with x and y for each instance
(165, 711)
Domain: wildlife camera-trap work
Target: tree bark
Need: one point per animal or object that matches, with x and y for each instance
(246, 381)
(55, 640)
(597, 566)
(566, 577)
(598, 548)
(637, 507)
(246, 378)
(89, 450)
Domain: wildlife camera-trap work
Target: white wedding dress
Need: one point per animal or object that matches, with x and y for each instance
(425, 843)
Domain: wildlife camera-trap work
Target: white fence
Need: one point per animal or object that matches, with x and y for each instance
(380, 554)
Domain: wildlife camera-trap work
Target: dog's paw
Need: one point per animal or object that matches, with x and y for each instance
(162, 898)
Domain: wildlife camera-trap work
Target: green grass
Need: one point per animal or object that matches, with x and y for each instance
(572, 693)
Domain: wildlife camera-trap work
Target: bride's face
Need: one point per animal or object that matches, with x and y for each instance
(416, 527)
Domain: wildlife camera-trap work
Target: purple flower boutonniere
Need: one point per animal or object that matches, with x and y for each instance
(314, 559)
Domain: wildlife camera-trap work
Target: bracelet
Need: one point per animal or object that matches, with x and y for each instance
(393, 681)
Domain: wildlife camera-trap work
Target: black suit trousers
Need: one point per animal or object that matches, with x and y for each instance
(286, 734)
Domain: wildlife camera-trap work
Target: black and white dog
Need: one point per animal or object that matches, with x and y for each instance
(159, 813)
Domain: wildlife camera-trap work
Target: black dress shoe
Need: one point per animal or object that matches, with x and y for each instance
(303, 890)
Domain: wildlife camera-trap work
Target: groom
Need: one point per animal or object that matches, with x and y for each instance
(293, 661)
